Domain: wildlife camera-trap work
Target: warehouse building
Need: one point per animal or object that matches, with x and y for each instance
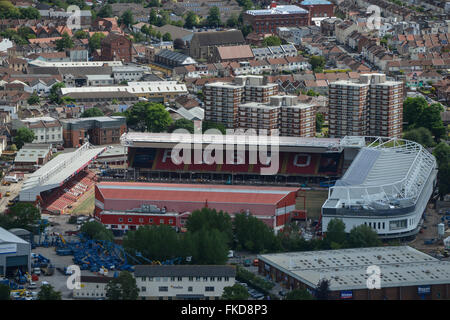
(128, 205)
(15, 253)
(183, 282)
(404, 273)
(92, 287)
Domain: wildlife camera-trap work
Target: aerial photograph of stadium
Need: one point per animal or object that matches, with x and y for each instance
(253, 151)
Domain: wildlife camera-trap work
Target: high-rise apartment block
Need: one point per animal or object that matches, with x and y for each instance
(283, 113)
(372, 106)
(222, 99)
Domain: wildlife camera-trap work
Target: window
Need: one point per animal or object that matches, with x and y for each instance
(397, 224)
(163, 289)
(205, 279)
(227, 279)
(180, 279)
(172, 278)
(120, 220)
(157, 279)
(213, 279)
(189, 289)
(130, 219)
(161, 221)
(141, 219)
(219, 278)
(209, 289)
(143, 289)
(191, 278)
(151, 221)
(143, 278)
(197, 278)
(165, 279)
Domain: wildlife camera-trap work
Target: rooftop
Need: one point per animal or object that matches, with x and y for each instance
(287, 9)
(8, 237)
(347, 269)
(184, 271)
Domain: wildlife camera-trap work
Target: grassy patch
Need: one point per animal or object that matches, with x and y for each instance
(87, 206)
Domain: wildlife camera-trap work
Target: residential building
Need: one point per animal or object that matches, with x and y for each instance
(116, 47)
(222, 100)
(183, 282)
(318, 8)
(284, 113)
(45, 129)
(97, 130)
(372, 106)
(268, 20)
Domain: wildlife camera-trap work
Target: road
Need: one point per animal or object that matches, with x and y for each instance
(14, 189)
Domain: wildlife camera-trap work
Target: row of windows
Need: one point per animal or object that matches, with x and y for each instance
(161, 221)
(191, 279)
(166, 289)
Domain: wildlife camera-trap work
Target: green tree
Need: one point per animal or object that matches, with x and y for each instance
(206, 125)
(323, 290)
(95, 41)
(246, 30)
(320, 119)
(153, 19)
(55, 92)
(232, 21)
(213, 19)
(29, 13)
(97, 231)
(167, 37)
(271, 41)
(235, 292)
(48, 293)
(442, 153)
(92, 112)
(211, 219)
(5, 292)
(253, 234)
(23, 135)
(420, 135)
(24, 215)
(336, 232)
(81, 34)
(444, 180)
(413, 109)
(206, 246)
(33, 99)
(299, 294)
(182, 124)
(317, 63)
(363, 236)
(8, 11)
(105, 11)
(159, 242)
(432, 120)
(127, 18)
(157, 118)
(64, 43)
(123, 287)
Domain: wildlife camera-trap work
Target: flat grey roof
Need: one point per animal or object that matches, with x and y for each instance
(347, 269)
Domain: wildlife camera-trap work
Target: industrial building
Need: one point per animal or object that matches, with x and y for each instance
(15, 253)
(268, 20)
(183, 282)
(32, 156)
(92, 287)
(405, 273)
(128, 205)
(386, 187)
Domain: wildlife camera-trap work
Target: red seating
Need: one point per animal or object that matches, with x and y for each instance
(302, 163)
(70, 192)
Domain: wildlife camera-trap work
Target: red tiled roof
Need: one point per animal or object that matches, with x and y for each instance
(193, 193)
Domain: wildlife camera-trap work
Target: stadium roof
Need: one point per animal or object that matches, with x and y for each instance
(193, 192)
(55, 172)
(347, 269)
(385, 173)
(314, 2)
(142, 138)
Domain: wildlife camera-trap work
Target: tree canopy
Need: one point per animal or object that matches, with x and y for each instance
(420, 135)
(149, 116)
(182, 124)
(64, 43)
(47, 292)
(317, 63)
(23, 135)
(211, 219)
(336, 232)
(97, 231)
(299, 294)
(95, 41)
(271, 41)
(105, 11)
(417, 113)
(5, 292)
(213, 19)
(123, 287)
(92, 112)
(235, 292)
(363, 236)
(127, 18)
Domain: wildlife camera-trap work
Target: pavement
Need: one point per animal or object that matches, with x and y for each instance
(14, 189)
